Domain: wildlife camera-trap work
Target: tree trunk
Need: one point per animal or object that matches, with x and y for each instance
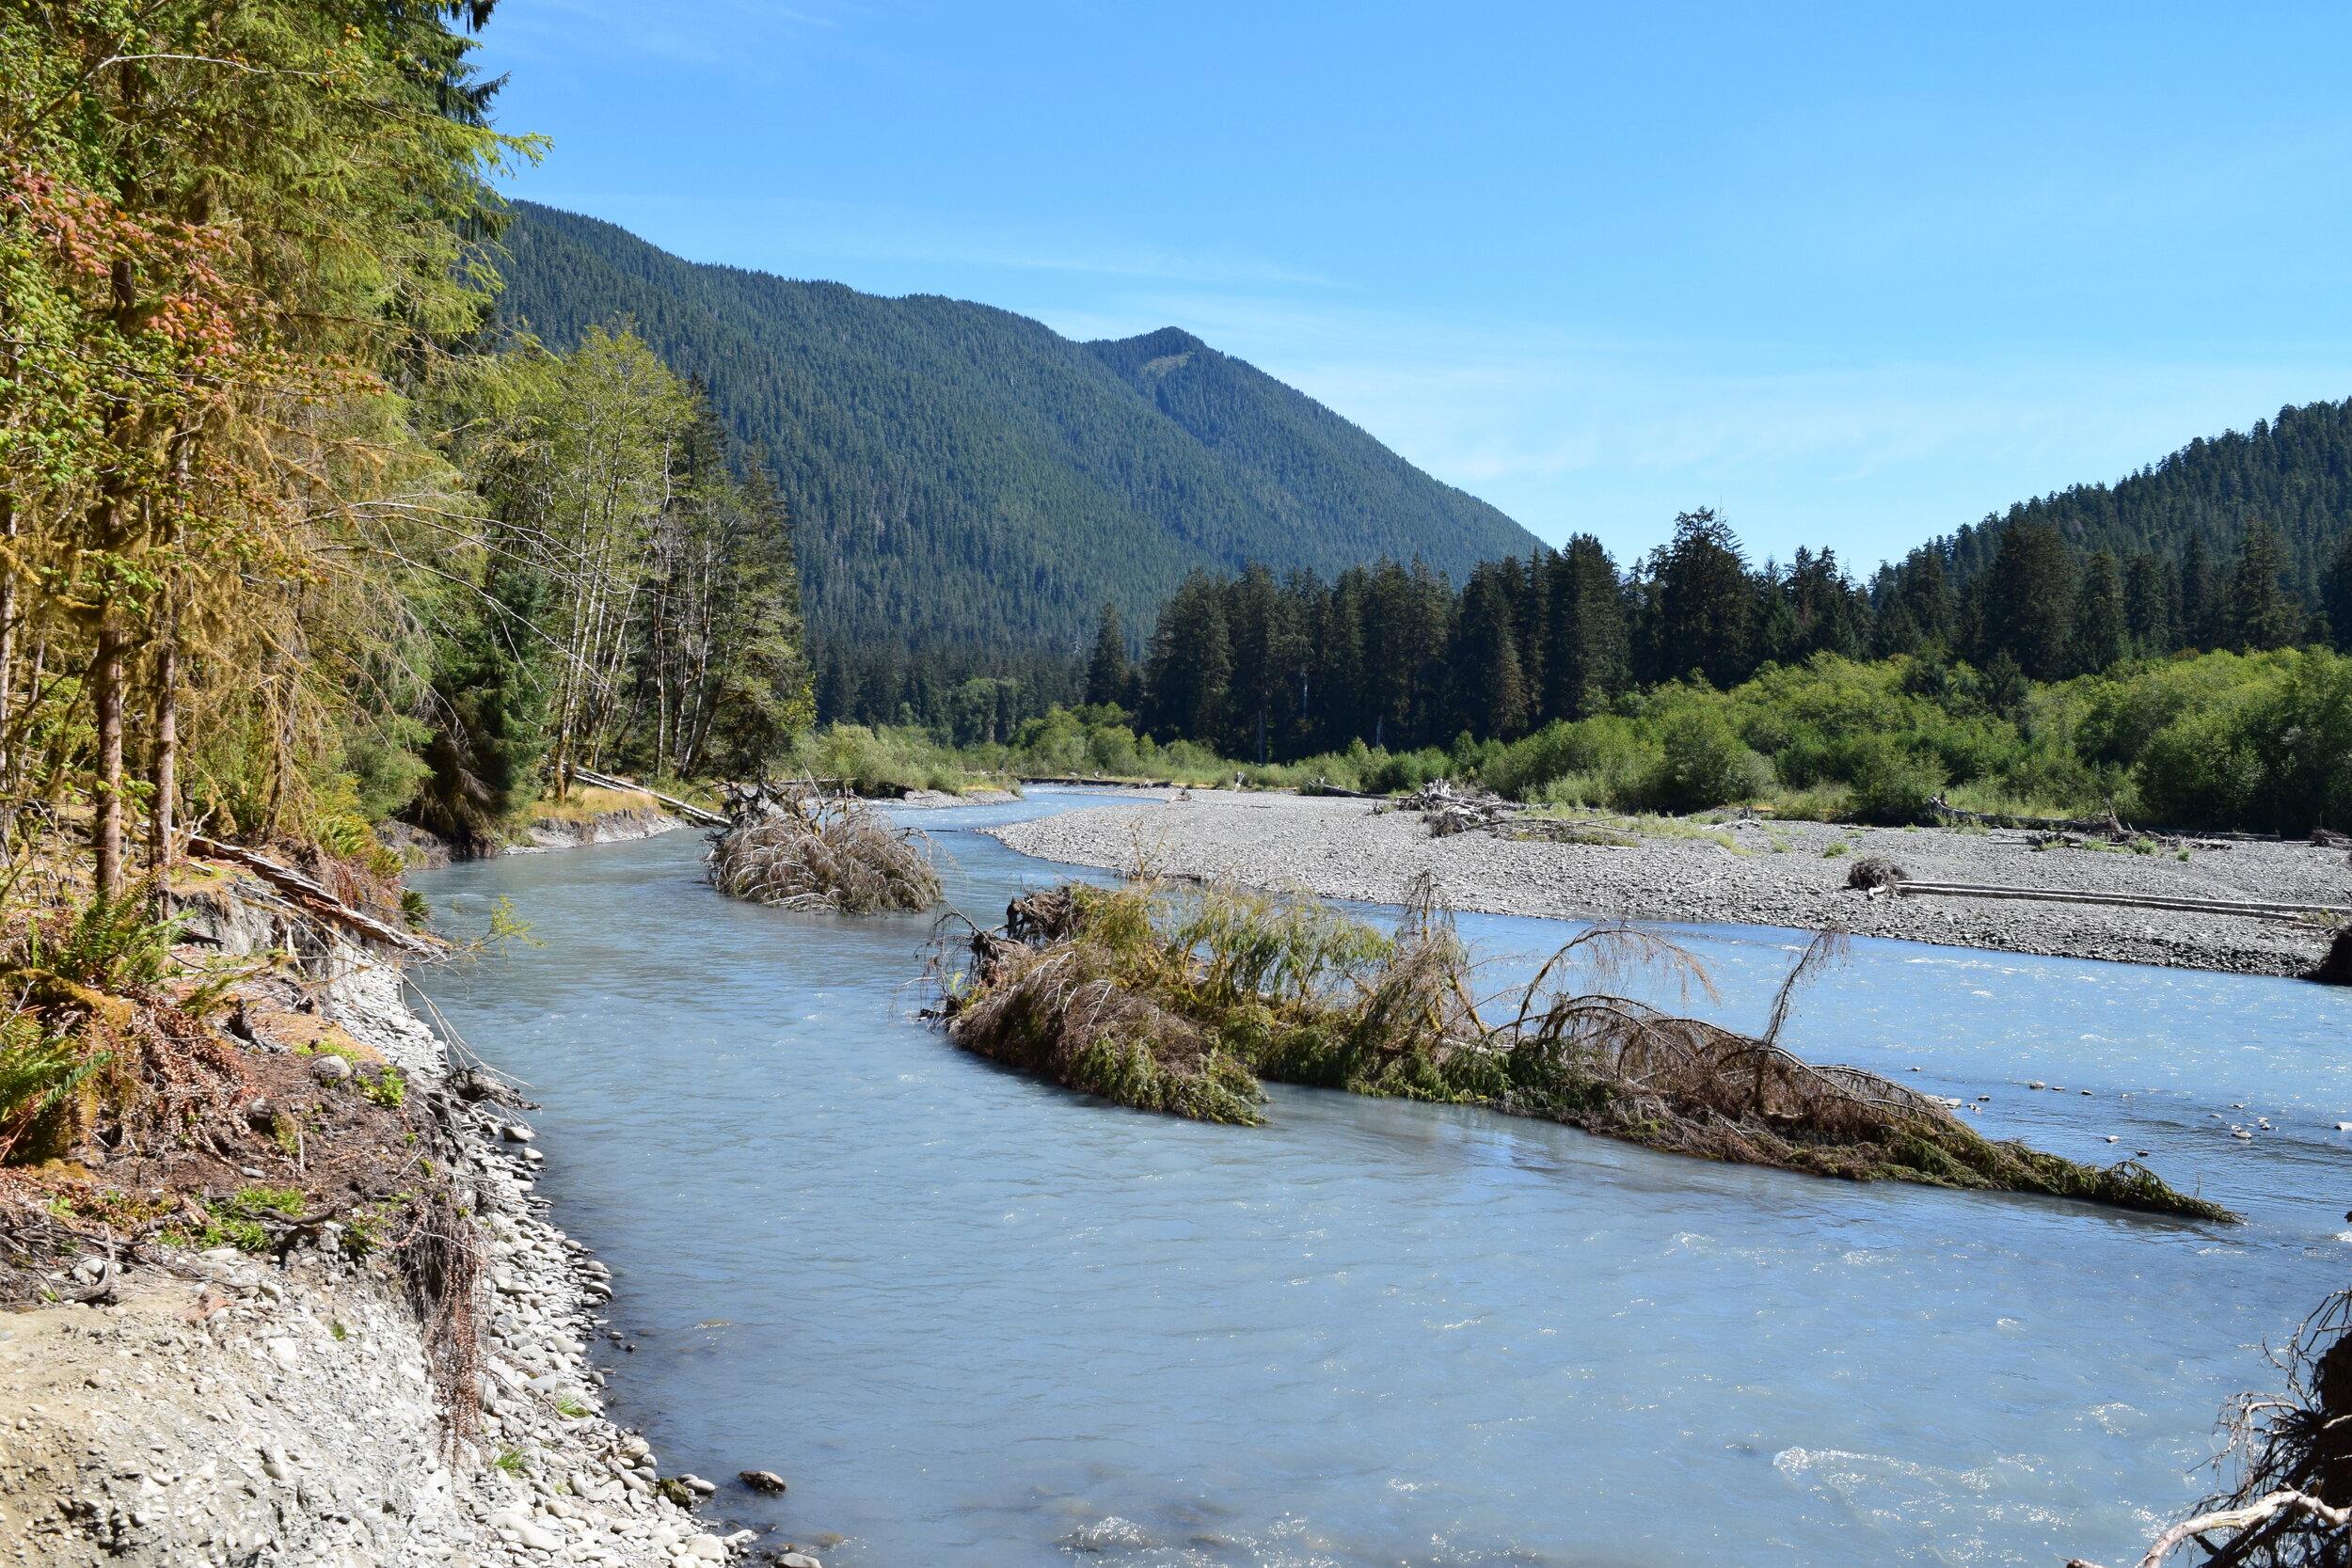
(7, 682)
(106, 705)
(167, 744)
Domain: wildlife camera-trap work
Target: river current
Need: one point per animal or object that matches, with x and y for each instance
(977, 1320)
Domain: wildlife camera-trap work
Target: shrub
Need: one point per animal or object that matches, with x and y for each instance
(1705, 763)
(1893, 785)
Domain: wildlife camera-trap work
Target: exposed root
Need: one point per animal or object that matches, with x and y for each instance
(2291, 1507)
(1874, 873)
(1180, 1000)
(798, 850)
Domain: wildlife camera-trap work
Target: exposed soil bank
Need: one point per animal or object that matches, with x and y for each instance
(230, 1407)
(1340, 849)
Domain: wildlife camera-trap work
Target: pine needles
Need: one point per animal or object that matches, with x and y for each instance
(799, 852)
(1182, 1000)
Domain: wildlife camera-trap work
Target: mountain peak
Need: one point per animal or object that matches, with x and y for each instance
(962, 475)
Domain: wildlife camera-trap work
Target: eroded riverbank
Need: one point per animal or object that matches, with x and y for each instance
(1778, 875)
(289, 1398)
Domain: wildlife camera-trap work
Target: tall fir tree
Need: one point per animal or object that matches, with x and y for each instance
(2152, 592)
(2257, 611)
(2102, 633)
(2201, 613)
(1490, 686)
(1704, 603)
(2027, 602)
(1110, 678)
(1588, 652)
(2336, 595)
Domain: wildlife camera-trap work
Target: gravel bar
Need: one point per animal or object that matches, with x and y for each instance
(1781, 874)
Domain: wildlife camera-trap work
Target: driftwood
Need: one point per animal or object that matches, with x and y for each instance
(2291, 1507)
(2237, 1520)
(1450, 810)
(799, 852)
(2260, 910)
(686, 809)
(313, 895)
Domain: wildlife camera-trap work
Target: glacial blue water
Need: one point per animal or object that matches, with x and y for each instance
(977, 1320)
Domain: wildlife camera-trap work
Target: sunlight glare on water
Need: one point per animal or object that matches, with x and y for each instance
(975, 1318)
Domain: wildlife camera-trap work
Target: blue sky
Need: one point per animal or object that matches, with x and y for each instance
(1853, 275)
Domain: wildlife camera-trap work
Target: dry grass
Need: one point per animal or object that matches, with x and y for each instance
(1181, 1000)
(586, 801)
(801, 851)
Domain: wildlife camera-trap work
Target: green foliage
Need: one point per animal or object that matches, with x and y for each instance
(388, 1088)
(1703, 762)
(962, 475)
(232, 1222)
(114, 947)
(1892, 782)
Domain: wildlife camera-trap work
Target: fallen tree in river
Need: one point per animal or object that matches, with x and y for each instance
(1184, 1000)
(797, 849)
(2292, 1506)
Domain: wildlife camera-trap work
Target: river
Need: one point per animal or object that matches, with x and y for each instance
(975, 1318)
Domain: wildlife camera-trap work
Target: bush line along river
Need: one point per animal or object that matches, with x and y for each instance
(979, 1319)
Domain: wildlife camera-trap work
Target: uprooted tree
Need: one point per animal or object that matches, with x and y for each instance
(2292, 1506)
(1184, 1000)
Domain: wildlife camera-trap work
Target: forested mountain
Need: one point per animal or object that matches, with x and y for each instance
(2293, 473)
(964, 477)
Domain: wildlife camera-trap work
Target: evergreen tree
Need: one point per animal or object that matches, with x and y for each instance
(2336, 592)
(1828, 614)
(1490, 688)
(1587, 650)
(1190, 663)
(1110, 680)
(2257, 611)
(1704, 603)
(2101, 631)
(2150, 595)
(1916, 606)
(2027, 602)
(2200, 618)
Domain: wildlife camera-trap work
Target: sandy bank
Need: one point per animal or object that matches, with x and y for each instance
(1778, 876)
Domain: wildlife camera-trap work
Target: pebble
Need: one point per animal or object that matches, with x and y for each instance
(330, 1069)
(515, 1133)
(696, 1484)
(762, 1481)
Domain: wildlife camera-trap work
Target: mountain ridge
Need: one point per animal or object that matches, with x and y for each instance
(963, 475)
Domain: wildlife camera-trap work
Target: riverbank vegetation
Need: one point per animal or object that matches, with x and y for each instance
(2215, 741)
(1182, 1000)
(1694, 680)
(293, 540)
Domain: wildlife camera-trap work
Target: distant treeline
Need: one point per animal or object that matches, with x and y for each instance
(1265, 668)
(2292, 475)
